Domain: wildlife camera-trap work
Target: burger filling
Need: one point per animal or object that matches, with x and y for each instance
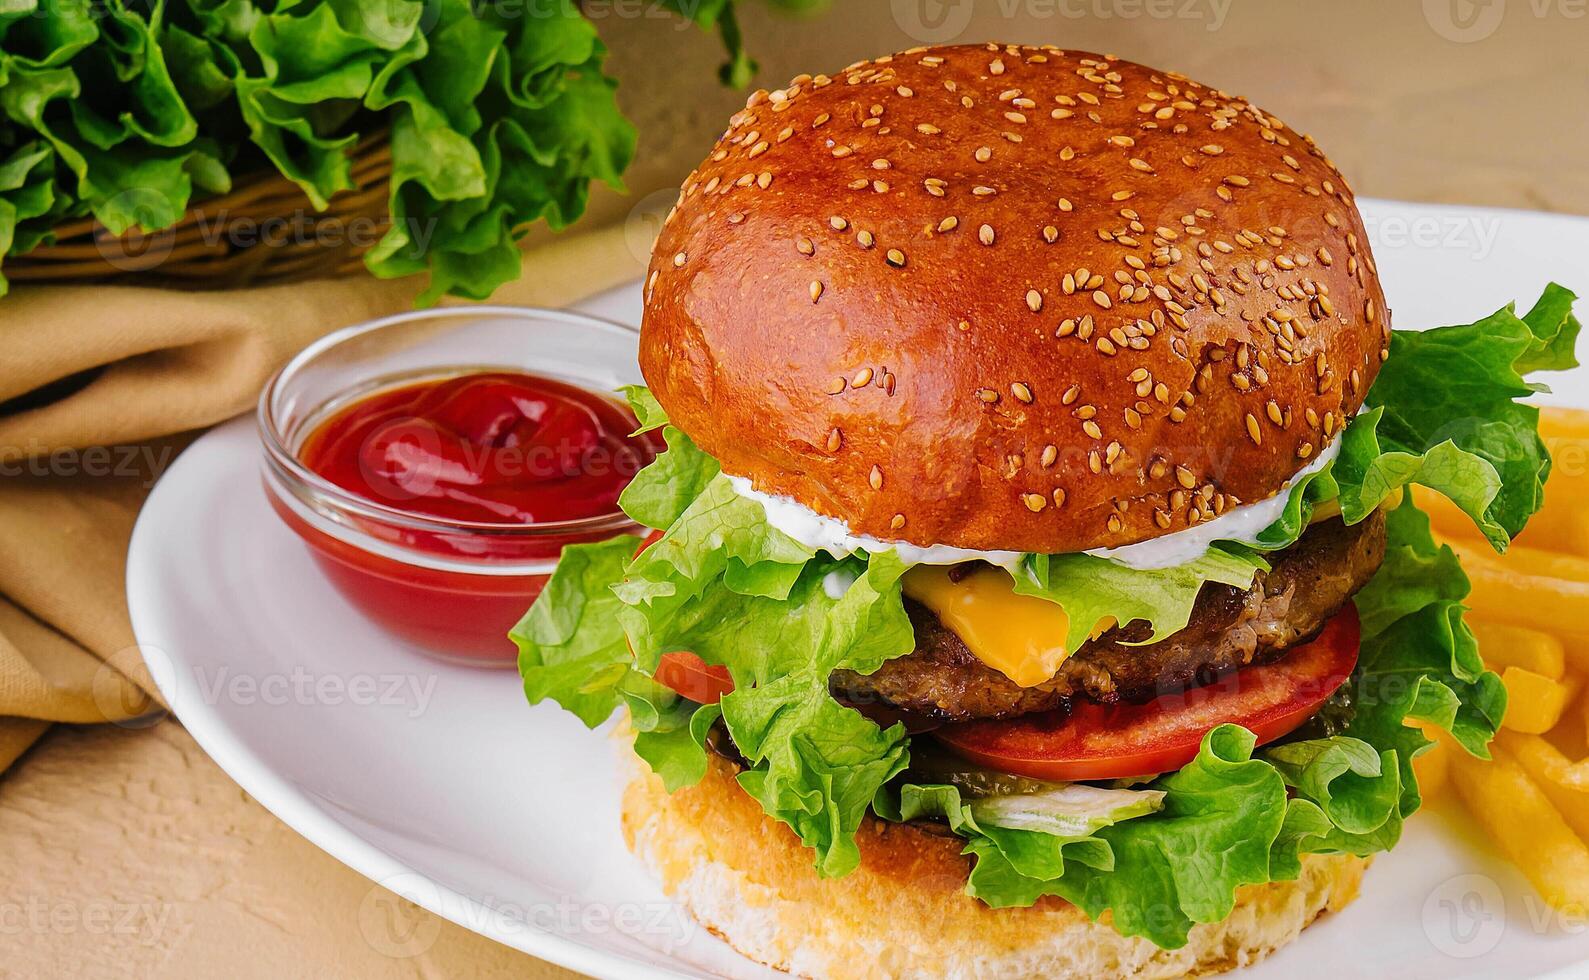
(948, 679)
(1129, 737)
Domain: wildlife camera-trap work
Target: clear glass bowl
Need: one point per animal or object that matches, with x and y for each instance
(451, 589)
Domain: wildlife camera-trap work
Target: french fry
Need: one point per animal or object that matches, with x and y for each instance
(1503, 591)
(1445, 517)
(1583, 711)
(1544, 765)
(1540, 563)
(1518, 816)
(1534, 702)
(1547, 760)
(1432, 768)
(1563, 423)
(1503, 646)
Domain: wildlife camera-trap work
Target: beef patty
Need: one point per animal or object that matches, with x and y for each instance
(1229, 628)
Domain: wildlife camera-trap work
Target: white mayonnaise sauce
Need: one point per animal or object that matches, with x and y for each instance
(820, 533)
(827, 534)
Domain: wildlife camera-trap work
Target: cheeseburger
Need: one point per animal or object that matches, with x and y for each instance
(1036, 586)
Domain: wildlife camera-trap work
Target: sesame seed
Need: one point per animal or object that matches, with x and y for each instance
(897, 521)
(984, 235)
(1021, 392)
(1050, 234)
(864, 238)
(805, 246)
(896, 258)
(1115, 523)
(837, 223)
(836, 385)
(1070, 395)
(835, 439)
(679, 260)
(1253, 430)
(1091, 428)
(875, 478)
(1034, 502)
(1050, 454)
(862, 378)
(949, 224)
(816, 290)
(1102, 298)
(1034, 300)
(927, 129)
(983, 154)
(988, 395)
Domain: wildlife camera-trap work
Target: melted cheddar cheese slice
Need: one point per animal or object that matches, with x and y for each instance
(1020, 636)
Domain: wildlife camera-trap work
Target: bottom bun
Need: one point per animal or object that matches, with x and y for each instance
(904, 911)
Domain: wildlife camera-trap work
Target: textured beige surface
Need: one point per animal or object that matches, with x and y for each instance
(127, 852)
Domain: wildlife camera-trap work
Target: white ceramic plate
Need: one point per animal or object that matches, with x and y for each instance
(443, 785)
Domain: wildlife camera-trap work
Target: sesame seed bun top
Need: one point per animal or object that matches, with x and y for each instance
(1012, 298)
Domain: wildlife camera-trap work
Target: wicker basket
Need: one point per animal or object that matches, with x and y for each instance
(264, 231)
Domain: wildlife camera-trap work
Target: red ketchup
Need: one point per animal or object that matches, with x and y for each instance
(514, 466)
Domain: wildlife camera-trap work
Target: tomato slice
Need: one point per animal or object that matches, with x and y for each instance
(687, 674)
(1098, 741)
(693, 677)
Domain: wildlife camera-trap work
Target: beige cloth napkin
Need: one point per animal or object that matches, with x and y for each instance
(127, 376)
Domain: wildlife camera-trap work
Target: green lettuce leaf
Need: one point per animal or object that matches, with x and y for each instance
(1097, 590)
(1445, 413)
(496, 119)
